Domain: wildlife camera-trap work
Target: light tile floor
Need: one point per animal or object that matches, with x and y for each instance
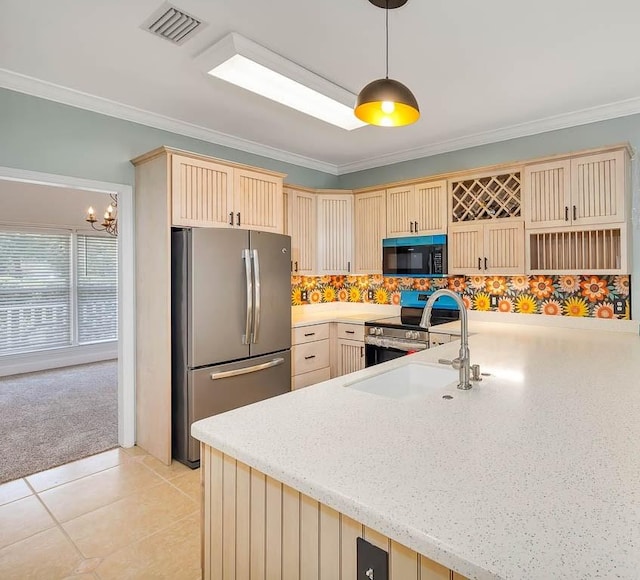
(118, 514)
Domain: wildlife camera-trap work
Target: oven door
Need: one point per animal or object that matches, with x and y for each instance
(375, 355)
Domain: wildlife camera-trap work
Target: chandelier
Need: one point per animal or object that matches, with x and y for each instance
(109, 220)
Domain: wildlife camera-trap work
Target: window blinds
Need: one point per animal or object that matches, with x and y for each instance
(97, 288)
(56, 290)
(35, 291)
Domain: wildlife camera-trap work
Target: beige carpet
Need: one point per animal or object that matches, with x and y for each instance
(52, 417)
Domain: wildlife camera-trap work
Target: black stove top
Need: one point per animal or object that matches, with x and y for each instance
(410, 318)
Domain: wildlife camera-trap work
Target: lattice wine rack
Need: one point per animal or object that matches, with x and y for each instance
(484, 198)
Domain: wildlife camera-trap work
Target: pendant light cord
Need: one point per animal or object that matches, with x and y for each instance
(387, 34)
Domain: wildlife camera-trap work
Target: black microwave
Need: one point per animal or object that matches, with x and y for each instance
(416, 256)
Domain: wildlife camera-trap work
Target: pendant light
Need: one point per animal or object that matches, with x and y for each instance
(386, 102)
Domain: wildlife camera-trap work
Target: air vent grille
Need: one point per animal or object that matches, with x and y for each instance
(172, 24)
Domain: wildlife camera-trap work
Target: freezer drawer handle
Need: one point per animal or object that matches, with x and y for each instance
(245, 371)
(310, 357)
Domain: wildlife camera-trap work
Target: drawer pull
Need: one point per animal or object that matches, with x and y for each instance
(309, 333)
(310, 357)
(349, 331)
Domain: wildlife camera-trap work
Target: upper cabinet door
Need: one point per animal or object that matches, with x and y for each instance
(430, 209)
(504, 248)
(201, 192)
(466, 249)
(400, 211)
(547, 191)
(258, 201)
(302, 229)
(598, 188)
(335, 233)
(371, 229)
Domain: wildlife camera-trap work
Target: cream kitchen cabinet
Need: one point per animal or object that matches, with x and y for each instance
(310, 355)
(207, 193)
(417, 209)
(487, 248)
(370, 230)
(302, 227)
(581, 191)
(335, 233)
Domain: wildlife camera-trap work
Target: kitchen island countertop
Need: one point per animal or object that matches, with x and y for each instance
(532, 474)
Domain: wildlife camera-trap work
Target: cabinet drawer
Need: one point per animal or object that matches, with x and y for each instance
(307, 379)
(309, 333)
(351, 331)
(310, 356)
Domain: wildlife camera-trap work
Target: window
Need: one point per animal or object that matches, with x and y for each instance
(56, 290)
(97, 289)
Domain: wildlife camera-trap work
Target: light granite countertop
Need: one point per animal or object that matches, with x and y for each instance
(532, 474)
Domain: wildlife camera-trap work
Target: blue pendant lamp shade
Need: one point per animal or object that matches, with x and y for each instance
(387, 102)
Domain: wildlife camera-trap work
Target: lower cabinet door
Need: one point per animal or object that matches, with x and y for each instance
(350, 356)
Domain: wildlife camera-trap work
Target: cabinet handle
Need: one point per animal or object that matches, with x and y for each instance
(411, 226)
(479, 263)
(348, 266)
(296, 263)
(416, 226)
(292, 265)
(230, 218)
(566, 213)
(309, 333)
(575, 213)
(310, 357)
(349, 331)
(485, 262)
(361, 351)
(238, 216)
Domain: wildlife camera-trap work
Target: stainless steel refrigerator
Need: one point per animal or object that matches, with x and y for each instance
(231, 325)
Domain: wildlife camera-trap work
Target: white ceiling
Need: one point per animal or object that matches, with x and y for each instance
(481, 71)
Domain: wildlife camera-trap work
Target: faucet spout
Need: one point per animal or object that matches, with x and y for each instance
(425, 322)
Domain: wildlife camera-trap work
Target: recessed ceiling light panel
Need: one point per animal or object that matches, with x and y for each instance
(244, 63)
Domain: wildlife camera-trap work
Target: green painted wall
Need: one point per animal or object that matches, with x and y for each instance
(612, 132)
(45, 136)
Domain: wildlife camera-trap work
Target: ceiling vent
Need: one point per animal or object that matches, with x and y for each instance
(172, 24)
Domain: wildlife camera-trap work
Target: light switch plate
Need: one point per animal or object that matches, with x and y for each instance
(373, 562)
(304, 295)
(370, 295)
(494, 301)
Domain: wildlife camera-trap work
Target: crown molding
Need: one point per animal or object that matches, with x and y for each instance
(43, 89)
(582, 117)
(52, 92)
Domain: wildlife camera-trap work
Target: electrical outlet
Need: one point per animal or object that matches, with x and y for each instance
(304, 295)
(370, 295)
(373, 562)
(619, 306)
(494, 301)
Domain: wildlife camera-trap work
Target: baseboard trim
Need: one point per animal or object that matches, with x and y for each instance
(57, 358)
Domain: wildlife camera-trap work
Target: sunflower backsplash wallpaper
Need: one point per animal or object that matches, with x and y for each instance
(583, 296)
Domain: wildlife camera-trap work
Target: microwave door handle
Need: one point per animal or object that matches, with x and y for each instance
(246, 338)
(257, 292)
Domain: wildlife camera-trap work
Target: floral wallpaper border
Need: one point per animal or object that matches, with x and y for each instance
(587, 296)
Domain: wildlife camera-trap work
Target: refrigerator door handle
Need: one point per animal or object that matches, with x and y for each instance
(256, 317)
(246, 370)
(246, 338)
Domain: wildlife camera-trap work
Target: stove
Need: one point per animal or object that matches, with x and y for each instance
(389, 338)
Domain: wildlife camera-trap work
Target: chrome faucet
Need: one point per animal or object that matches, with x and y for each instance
(463, 357)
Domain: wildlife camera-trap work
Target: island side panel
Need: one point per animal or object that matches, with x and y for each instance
(252, 521)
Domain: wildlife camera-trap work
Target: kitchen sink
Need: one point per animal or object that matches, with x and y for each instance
(410, 381)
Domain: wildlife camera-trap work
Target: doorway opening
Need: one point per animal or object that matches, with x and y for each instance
(69, 298)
